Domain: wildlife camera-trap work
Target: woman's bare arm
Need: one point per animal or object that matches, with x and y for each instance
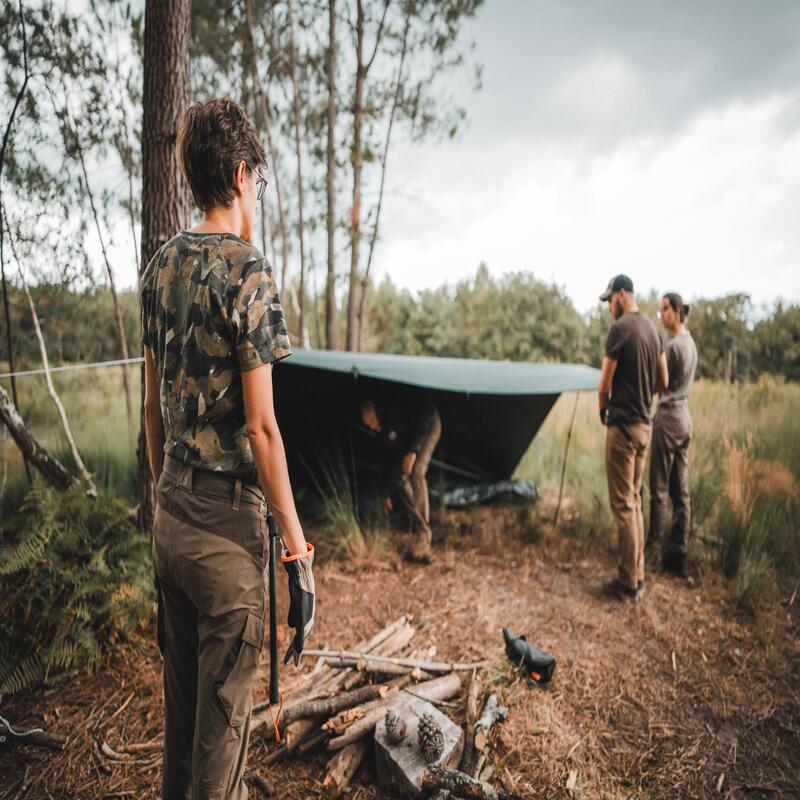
(153, 421)
(269, 455)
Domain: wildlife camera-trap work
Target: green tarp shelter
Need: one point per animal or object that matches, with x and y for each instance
(490, 410)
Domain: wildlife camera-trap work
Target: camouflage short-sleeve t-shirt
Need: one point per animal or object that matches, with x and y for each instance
(210, 309)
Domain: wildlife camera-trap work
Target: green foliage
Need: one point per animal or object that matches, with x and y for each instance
(354, 531)
(77, 584)
(517, 317)
(514, 317)
(744, 471)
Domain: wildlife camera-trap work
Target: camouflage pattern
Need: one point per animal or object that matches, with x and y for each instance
(210, 309)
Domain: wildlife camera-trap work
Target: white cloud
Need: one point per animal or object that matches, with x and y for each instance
(700, 212)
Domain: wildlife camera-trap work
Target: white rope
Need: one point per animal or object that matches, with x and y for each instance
(114, 363)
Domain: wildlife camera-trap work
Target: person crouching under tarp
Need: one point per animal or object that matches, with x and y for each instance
(410, 429)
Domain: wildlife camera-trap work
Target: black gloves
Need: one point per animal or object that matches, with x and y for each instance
(302, 600)
(604, 416)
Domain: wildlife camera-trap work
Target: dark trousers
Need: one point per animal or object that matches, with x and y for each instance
(669, 478)
(413, 489)
(209, 547)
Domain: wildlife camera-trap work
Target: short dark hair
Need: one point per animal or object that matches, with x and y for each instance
(676, 304)
(214, 137)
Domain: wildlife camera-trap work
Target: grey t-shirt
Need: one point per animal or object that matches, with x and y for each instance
(681, 363)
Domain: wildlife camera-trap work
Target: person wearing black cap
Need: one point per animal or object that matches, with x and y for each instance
(634, 368)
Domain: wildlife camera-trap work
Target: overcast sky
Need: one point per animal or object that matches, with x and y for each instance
(657, 139)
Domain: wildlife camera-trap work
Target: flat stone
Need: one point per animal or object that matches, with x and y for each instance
(400, 766)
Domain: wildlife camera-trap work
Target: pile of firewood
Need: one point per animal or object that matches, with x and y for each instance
(338, 704)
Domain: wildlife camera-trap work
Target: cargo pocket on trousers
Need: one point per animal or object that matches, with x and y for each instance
(234, 687)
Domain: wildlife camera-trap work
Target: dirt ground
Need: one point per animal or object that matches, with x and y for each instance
(685, 694)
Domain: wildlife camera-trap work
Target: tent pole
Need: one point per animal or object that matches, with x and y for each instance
(566, 451)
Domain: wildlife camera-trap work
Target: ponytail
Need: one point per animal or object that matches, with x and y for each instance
(676, 304)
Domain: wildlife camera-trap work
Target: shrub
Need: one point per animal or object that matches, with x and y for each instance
(77, 584)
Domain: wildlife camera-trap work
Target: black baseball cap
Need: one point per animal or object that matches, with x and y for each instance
(615, 284)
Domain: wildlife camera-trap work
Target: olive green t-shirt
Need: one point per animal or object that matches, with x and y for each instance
(209, 311)
(634, 343)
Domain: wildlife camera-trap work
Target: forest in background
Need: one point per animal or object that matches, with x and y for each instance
(331, 87)
(513, 317)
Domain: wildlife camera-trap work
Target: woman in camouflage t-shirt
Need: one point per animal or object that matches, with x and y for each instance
(212, 326)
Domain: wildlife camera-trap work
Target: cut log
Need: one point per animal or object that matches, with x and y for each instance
(342, 767)
(298, 731)
(373, 666)
(339, 723)
(473, 699)
(393, 644)
(328, 680)
(334, 656)
(314, 741)
(330, 706)
(492, 712)
(401, 765)
(438, 689)
(461, 785)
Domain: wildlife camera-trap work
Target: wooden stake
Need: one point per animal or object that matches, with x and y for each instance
(566, 451)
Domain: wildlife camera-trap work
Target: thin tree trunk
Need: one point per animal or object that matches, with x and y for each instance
(362, 69)
(6, 137)
(263, 102)
(362, 310)
(331, 320)
(357, 157)
(62, 414)
(300, 202)
(123, 341)
(52, 471)
(263, 97)
(165, 193)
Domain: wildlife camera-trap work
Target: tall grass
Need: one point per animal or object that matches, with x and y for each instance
(355, 529)
(94, 401)
(744, 467)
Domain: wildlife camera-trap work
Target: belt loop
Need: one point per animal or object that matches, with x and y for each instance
(237, 493)
(186, 477)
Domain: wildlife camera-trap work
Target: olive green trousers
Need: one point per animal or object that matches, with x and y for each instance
(209, 549)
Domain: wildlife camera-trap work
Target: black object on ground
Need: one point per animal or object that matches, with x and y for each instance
(463, 496)
(539, 666)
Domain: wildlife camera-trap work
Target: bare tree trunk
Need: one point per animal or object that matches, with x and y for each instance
(165, 194)
(62, 414)
(35, 453)
(301, 232)
(123, 341)
(331, 320)
(263, 102)
(263, 97)
(362, 310)
(6, 135)
(357, 157)
(362, 69)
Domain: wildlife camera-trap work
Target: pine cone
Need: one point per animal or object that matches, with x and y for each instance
(431, 739)
(395, 727)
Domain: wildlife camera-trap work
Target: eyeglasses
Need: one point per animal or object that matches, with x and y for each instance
(261, 184)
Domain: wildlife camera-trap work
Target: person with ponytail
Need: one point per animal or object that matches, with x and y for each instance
(672, 434)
